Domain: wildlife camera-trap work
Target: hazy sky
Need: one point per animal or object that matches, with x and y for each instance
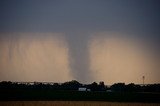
(85, 40)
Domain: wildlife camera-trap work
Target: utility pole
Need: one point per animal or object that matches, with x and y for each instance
(143, 78)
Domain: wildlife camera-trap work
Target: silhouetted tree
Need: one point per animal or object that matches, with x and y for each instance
(102, 87)
(74, 85)
(71, 85)
(93, 86)
(120, 87)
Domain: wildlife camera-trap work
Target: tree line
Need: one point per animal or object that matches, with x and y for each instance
(75, 85)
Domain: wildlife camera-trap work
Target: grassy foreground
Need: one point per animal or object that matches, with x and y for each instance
(72, 103)
(50, 95)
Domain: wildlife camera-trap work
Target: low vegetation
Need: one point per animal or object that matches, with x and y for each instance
(72, 103)
(68, 91)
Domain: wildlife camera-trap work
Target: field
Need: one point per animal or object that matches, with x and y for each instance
(51, 95)
(72, 103)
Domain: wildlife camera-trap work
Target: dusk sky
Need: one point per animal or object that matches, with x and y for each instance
(84, 40)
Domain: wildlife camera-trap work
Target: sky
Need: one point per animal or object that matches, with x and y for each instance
(84, 40)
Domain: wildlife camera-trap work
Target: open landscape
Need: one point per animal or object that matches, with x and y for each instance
(79, 52)
(75, 91)
(72, 103)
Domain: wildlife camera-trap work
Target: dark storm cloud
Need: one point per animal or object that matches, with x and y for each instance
(91, 15)
(78, 19)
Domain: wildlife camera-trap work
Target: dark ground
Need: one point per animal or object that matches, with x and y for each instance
(48, 95)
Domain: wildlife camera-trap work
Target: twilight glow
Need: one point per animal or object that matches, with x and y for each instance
(119, 59)
(84, 40)
(29, 57)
